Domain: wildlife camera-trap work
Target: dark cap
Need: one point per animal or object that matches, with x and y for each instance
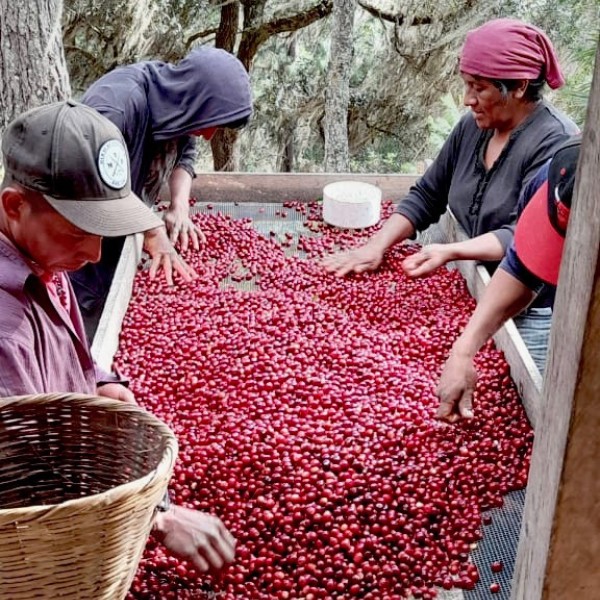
(77, 159)
(541, 228)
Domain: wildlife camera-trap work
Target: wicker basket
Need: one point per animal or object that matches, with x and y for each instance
(80, 478)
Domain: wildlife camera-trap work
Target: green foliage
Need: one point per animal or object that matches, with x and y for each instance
(574, 97)
(574, 28)
(440, 126)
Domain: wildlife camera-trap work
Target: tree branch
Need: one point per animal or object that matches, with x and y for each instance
(92, 57)
(200, 34)
(254, 37)
(397, 19)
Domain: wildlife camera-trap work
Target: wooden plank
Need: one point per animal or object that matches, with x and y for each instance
(106, 338)
(559, 551)
(523, 369)
(280, 187)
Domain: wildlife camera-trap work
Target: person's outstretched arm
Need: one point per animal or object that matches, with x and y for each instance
(504, 298)
(424, 204)
(368, 257)
(486, 247)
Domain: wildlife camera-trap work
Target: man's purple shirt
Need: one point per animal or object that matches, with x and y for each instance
(42, 348)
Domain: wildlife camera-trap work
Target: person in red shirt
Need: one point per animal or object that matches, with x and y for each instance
(531, 264)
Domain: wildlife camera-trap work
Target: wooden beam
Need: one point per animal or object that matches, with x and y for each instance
(559, 550)
(106, 338)
(280, 187)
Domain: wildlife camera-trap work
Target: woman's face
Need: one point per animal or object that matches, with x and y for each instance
(490, 109)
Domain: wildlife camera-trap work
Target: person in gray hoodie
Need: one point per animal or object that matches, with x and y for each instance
(161, 110)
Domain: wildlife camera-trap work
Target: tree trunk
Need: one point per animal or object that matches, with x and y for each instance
(223, 144)
(255, 33)
(33, 69)
(228, 26)
(286, 155)
(337, 96)
(225, 151)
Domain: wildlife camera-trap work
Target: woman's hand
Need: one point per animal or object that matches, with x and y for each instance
(427, 260)
(455, 388)
(365, 258)
(165, 257)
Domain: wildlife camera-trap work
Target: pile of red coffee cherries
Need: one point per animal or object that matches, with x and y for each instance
(304, 409)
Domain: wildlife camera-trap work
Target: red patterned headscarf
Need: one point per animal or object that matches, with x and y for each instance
(510, 49)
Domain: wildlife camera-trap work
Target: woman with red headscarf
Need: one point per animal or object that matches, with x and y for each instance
(489, 157)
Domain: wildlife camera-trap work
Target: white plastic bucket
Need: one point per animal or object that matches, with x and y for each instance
(351, 204)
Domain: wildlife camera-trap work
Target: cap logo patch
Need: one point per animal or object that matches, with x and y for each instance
(113, 164)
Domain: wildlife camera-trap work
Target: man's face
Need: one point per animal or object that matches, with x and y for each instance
(47, 238)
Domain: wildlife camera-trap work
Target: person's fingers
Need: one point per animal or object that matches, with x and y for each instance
(344, 269)
(362, 267)
(127, 396)
(210, 553)
(154, 266)
(184, 269)
(231, 541)
(168, 269)
(330, 263)
(465, 405)
(225, 544)
(347, 264)
(447, 411)
(413, 261)
(174, 233)
(446, 415)
(199, 562)
(444, 409)
(201, 236)
(183, 238)
(195, 237)
(421, 270)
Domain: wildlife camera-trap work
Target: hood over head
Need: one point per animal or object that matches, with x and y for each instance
(208, 88)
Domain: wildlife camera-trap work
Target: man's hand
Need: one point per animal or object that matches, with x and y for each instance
(165, 257)
(365, 258)
(180, 227)
(427, 260)
(455, 388)
(116, 391)
(198, 537)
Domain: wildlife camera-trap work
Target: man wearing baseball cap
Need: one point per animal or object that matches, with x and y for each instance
(531, 265)
(66, 185)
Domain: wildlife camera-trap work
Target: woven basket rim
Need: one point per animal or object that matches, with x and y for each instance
(113, 495)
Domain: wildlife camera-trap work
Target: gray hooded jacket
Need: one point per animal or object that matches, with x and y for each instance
(155, 103)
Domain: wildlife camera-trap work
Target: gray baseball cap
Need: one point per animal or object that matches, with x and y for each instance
(78, 160)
